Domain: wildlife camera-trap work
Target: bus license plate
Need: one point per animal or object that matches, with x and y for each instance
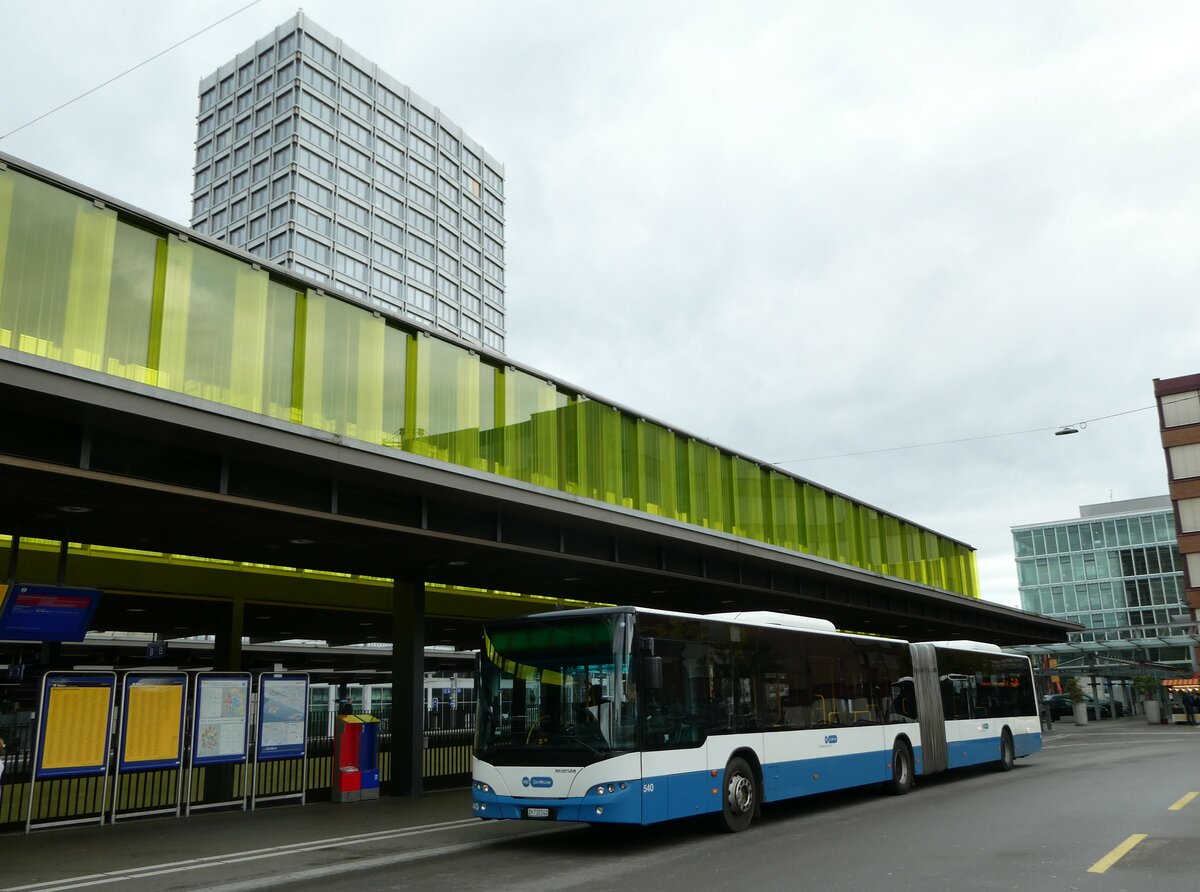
(537, 812)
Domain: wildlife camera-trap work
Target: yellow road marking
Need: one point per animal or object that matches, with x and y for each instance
(1184, 801)
(1116, 854)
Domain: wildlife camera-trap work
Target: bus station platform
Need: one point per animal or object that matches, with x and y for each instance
(283, 843)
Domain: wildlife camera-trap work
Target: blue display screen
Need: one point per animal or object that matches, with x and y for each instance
(46, 612)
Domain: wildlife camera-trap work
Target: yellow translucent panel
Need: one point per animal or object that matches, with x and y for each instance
(55, 271)
(395, 385)
(129, 324)
(279, 351)
(214, 327)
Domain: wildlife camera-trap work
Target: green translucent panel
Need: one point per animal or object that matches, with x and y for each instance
(657, 480)
(530, 429)
(784, 511)
(684, 509)
(343, 369)
(818, 522)
(592, 450)
(748, 519)
(454, 412)
(79, 285)
(706, 492)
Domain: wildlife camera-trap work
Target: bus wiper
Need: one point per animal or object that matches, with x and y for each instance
(577, 739)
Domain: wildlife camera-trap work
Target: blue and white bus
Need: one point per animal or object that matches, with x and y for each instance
(634, 716)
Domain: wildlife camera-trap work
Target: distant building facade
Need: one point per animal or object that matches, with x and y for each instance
(312, 157)
(1179, 423)
(1117, 571)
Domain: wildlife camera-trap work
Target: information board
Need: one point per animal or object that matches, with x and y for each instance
(221, 719)
(46, 612)
(74, 728)
(152, 721)
(282, 716)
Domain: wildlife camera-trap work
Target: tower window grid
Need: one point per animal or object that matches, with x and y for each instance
(340, 171)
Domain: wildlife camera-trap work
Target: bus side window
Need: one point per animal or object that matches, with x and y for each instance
(904, 701)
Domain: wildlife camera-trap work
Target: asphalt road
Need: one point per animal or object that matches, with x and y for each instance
(1092, 811)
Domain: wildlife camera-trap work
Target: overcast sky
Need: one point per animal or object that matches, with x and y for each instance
(798, 229)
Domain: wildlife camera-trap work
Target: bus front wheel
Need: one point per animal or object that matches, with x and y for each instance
(902, 769)
(1007, 755)
(741, 796)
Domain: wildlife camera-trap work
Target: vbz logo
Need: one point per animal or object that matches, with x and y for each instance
(831, 738)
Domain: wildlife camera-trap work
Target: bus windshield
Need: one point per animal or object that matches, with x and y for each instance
(557, 691)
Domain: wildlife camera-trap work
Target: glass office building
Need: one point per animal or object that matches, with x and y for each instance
(1115, 570)
(310, 156)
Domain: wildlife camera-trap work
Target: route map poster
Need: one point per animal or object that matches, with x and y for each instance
(222, 714)
(75, 725)
(283, 714)
(152, 723)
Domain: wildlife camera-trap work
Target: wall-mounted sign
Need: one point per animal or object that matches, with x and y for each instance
(46, 612)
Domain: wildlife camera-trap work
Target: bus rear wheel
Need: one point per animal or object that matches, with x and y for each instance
(741, 796)
(902, 769)
(1007, 754)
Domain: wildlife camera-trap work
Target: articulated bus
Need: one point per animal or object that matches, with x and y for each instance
(631, 716)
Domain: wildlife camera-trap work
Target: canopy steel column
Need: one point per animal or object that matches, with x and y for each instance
(408, 676)
(227, 644)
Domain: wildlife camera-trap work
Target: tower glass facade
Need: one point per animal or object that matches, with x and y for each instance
(310, 156)
(1116, 570)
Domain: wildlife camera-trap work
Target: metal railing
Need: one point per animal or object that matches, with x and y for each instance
(446, 759)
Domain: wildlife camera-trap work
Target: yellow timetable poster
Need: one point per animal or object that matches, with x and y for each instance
(153, 715)
(76, 727)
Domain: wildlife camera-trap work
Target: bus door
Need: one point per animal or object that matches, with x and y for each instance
(958, 703)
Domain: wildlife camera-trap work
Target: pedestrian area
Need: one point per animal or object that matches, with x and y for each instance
(292, 843)
(286, 843)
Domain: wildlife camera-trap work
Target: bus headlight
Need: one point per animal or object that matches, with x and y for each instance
(482, 787)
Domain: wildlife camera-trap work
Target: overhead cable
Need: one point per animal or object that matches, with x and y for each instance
(130, 70)
(1033, 430)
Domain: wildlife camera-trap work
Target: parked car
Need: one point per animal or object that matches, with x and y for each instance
(1060, 705)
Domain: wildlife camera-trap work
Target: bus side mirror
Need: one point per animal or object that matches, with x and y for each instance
(652, 679)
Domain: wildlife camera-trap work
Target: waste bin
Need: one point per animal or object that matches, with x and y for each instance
(355, 758)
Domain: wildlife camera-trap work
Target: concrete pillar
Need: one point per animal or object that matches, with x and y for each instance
(408, 675)
(227, 648)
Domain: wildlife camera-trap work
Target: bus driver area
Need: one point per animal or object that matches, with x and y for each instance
(635, 716)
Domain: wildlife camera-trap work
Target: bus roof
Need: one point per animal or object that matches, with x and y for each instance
(761, 618)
